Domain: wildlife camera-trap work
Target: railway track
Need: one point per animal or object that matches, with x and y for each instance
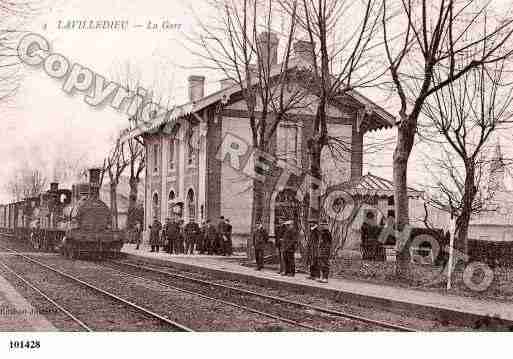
(297, 314)
(142, 312)
(230, 291)
(291, 325)
(295, 323)
(59, 307)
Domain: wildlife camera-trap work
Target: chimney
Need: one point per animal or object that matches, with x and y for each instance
(54, 186)
(94, 183)
(196, 87)
(303, 49)
(268, 45)
(226, 83)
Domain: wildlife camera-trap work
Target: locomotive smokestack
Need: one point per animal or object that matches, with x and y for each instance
(94, 182)
(54, 186)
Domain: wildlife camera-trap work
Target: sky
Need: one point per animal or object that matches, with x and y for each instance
(43, 122)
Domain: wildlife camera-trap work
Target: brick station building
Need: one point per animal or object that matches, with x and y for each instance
(184, 177)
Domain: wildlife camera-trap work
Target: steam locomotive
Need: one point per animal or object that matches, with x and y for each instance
(74, 222)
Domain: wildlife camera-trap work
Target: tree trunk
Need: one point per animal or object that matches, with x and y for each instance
(114, 205)
(257, 214)
(132, 201)
(405, 137)
(314, 210)
(462, 223)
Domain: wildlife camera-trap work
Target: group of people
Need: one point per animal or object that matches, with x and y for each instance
(287, 239)
(178, 237)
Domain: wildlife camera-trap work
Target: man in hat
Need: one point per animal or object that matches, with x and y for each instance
(155, 228)
(324, 251)
(172, 232)
(211, 237)
(289, 246)
(180, 247)
(164, 235)
(191, 231)
(200, 239)
(138, 234)
(312, 250)
(260, 238)
(278, 233)
(228, 245)
(221, 231)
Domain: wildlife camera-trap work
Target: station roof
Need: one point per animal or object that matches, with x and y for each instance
(380, 118)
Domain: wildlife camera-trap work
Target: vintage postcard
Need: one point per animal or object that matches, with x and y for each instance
(253, 166)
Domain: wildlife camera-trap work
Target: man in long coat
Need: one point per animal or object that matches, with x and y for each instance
(260, 238)
(172, 235)
(180, 247)
(138, 234)
(228, 245)
(289, 246)
(324, 251)
(164, 236)
(221, 231)
(211, 238)
(313, 250)
(155, 228)
(279, 232)
(191, 231)
(200, 239)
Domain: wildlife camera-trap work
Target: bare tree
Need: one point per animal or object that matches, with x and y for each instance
(12, 14)
(466, 113)
(114, 165)
(445, 37)
(244, 47)
(344, 33)
(26, 182)
(136, 163)
(129, 75)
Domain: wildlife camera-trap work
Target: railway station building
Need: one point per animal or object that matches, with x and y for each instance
(185, 177)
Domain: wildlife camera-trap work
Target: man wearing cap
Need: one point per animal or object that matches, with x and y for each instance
(324, 251)
(260, 238)
(289, 245)
(313, 250)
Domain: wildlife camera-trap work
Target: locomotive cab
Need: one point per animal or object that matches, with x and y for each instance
(89, 227)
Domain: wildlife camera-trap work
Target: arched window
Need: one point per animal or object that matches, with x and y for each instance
(191, 205)
(155, 205)
(170, 202)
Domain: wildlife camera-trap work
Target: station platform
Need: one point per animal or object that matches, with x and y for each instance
(448, 308)
(17, 314)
